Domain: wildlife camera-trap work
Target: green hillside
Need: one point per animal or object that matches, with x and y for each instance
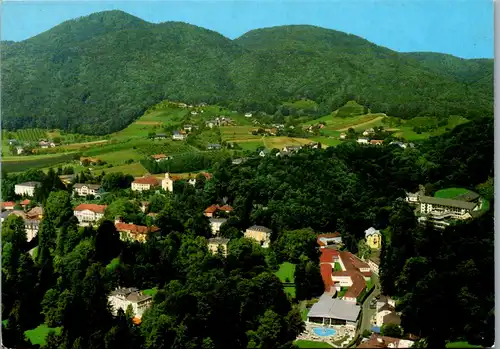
(109, 67)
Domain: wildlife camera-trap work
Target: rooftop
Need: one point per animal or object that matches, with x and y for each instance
(146, 180)
(218, 241)
(447, 202)
(30, 184)
(132, 294)
(260, 228)
(135, 229)
(91, 207)
(90, 186)
(334, 308)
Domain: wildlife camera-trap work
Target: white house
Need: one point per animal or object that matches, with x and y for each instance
(362, 141)
(88, 214)
(178, 136)
(215, 224)
(19, 150)
(248, 115)
(121, 298)
(144, 183)
(86, 189)
(26, 189)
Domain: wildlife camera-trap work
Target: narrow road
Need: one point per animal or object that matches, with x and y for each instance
(367, 312)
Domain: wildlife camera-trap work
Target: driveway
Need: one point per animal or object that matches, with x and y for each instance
(367, 312)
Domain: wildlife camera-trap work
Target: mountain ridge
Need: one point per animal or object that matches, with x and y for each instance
(108, 67)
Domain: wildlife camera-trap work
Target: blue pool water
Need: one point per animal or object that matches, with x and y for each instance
(324, 331)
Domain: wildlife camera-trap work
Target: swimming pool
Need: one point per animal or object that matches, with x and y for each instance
(324, 331)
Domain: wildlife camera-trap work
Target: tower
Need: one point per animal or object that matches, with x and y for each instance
(167, 183)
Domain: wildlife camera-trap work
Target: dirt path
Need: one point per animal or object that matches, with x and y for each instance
(378, 118)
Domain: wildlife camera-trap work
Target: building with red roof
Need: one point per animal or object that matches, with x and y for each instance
(212, 210)
(325, 240)
(133, 231)
(145, 183)
(8, 205)
(88, 214)
(341, 270)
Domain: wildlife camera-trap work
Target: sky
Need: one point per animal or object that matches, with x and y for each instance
(463, 28)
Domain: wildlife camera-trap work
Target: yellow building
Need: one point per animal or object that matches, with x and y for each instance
(215, 243)
(259, 234)
(373, 238)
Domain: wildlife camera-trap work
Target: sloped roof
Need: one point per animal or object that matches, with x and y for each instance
(135, 229)
(447, 202)
(334, 308)
(151, 180)
(91, 207)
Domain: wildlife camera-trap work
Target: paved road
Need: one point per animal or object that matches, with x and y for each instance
(368, 313)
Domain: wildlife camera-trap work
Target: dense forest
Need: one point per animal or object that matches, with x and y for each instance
(209, 301)
(109, 67)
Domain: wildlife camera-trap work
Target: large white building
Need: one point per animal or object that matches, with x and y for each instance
(88, 214)
(260, 234)
(86, 189)
(26, 189)
(121, 298)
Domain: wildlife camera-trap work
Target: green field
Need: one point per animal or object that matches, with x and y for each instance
(38, 335)
(150, 292)
(461, 345)
(285, 271)
(450, 193)
(312, 344)
(26, 163)
(135, 169)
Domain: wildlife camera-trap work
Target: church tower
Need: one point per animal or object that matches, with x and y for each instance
(167, 183)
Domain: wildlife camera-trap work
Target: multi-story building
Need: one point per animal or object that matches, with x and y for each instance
(145, 183)
(373, 238)
(89, 214)
(260, 234)
(81, 189)
(121, 298)
(26, 189)
(215, 224)
(130, 232)
(215, 243)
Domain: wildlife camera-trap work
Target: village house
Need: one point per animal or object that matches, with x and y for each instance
(160, 136)
(25, 203)
(194, 112)
(373, 238)
(179, 135)
(145, 183)
(215, 243)
(239, 161)
(362, 141)
(44, 144)
(211, 123)
(291, 148)
(334, 311)
(188, 128)
(215, 224)
(8, 205)
(160, 157)
(260, 234)
(26, 189)
(121, 298)
(89, 214)
(342, 136)
(31, 222)
(264, 152)
(376, 142)
(81, 189)
(19, 150)
(343, 270)
(380, 342)
(248, 115)
(212, 210)
(213, 146)
(90, 161)
(35, 213)
(131, 232)
(368, 132)
(329, 240)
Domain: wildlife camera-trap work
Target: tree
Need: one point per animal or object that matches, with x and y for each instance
(107, 242)
(391, 330)
(126, 210)
(364, 251)
(58, 208)
(13, 231)
(291, 245)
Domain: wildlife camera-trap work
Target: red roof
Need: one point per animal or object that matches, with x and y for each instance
(358, 285)
(376, 141)
(91, 207)
(8, 204)
(147, 180)
(159, 156)
(226, 208)
(25, 202)
(211, 209)
(326, 275)
(135, 229)
(327, 255)
(136, 321)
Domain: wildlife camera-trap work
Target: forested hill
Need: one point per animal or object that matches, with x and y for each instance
(107, 68)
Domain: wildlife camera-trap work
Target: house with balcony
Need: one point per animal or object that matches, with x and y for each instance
(81, 189)
(122, 298)
(89, 214)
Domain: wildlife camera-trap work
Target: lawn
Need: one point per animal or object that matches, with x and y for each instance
(312, 344)
(337, 267)
(14, 165)
(37, 336)
(119, 157)
(150, 292)
(286, 271)
(280, 142)
(450, 193)
(238, 132)
(252, 145)
(461, 345)
(115, 262)
(135, 169)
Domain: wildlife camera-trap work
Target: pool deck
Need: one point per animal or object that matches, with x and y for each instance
(341, 332)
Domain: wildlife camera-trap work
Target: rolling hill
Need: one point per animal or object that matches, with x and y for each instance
(106, 69)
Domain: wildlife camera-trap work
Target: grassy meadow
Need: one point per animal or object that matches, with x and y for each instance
(122, 151)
